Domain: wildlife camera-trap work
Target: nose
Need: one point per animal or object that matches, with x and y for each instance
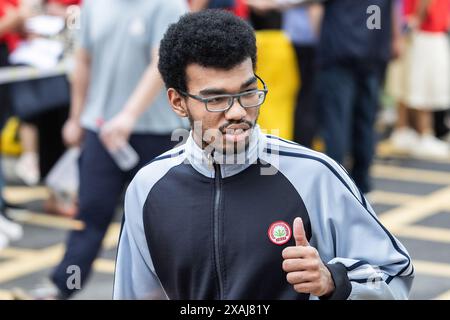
(236, 112)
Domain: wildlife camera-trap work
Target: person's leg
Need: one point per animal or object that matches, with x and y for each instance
(440, 127)
(101, 183)
(3, 238)
(335, 94)
(9, 230)
(305, 115)
(403, 116)
(404, 136)
(363, 146)
(424, 122)
(51, 147)
(27, 167)
(428, 145)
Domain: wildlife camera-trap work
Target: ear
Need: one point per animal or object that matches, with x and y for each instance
(177, 102)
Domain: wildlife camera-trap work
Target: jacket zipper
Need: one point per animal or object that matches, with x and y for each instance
(217, 196)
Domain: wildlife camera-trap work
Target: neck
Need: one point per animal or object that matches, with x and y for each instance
(203, 159)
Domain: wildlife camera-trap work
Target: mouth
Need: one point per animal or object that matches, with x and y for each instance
(236, 132)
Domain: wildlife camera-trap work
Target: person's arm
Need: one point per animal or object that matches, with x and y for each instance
(198, 5)
(11, 21)
(116, 131)
(419, 14)
(367, 256)
(315, 12)
(397, 37)
(422, 10)
(72, 131)
(80, 82)
(135, 276)
(364, 260)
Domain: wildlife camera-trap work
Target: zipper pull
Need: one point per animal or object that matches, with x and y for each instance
(210, 159)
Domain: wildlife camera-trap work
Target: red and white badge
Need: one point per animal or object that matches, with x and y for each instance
(279, 232)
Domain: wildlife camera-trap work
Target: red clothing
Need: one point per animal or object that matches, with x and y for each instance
(66, 2)
(437, 18)
(240, 9)
(11, 39)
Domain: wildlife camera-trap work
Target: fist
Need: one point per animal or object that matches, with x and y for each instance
(305, 270)
(72, 133)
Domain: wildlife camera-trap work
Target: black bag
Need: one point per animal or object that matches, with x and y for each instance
(32, 97)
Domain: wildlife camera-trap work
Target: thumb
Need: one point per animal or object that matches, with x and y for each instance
(299, 233)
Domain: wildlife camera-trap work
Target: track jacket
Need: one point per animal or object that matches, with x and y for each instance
(197, 229)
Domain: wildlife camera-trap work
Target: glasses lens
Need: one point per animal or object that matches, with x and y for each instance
(252, 99)
(218, 103)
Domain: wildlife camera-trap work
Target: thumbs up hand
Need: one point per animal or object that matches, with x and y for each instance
(305, 270)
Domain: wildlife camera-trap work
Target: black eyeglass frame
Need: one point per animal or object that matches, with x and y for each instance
(231, 97)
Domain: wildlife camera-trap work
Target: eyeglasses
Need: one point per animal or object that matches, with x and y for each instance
(223, 102)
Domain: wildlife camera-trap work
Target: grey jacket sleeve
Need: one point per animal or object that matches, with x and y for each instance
(135, 276)
(375, 264)
(365, 260)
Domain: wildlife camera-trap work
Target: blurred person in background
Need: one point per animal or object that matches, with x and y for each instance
(12, 18)
(429, 74)
(301, 22)
(117, 97)
(42, 127)
(352, 56)
(302, 26)
(351, 59)
(403, 136)
(277, 64)
(425, 79)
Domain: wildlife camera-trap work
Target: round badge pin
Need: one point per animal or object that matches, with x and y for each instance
(279, 232)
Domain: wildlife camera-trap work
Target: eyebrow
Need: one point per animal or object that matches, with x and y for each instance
(212, 91)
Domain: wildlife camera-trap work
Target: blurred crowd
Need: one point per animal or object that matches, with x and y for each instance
(327, 63)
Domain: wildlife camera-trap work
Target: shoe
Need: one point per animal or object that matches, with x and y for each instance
(13, 231)
(44, 291)
(404, 139)
(446, 137)
(27, 168)
(60, 206)
(431, 147)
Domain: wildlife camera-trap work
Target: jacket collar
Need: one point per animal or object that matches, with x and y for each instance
(203, 160)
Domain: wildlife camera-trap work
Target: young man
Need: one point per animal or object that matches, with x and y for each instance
(237, 214)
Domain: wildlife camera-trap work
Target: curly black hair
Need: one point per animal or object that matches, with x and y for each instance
(211, 38)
